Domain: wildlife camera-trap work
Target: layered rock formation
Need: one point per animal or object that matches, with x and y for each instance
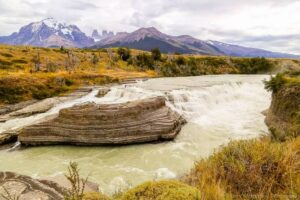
(26, 188)
(141, 121)
(15, 186)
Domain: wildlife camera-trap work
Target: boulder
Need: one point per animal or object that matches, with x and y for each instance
(10, 108)
(26, 188)
(141, 121)
(8, 137)
(102, 92)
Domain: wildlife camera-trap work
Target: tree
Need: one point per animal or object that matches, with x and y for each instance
(156, 54)
(37, 62)
(71, 61)
(145, 61)
(124, 53)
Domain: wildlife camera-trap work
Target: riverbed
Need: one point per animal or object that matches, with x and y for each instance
(218, 109)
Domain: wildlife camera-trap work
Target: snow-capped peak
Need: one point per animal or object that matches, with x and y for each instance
(52, 23)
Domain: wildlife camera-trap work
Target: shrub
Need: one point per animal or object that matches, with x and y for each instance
(162, 190)
(19, 61)
(77, 184)
(252, 65)
(124, 53)
(51, 67)
(275, 83)
(5, 63)
(7, 55)
(95, 196)
(145, 61)
(257, 169)
(180, 60)
(95, 59)
(156, 54)
(213, 61)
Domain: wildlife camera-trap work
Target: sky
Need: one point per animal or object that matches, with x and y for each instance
(268, 24)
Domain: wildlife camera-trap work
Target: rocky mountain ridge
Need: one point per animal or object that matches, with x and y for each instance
(51, 33)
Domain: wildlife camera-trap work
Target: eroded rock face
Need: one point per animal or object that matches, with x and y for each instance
(27, 188)
(283, 117)
(140, 121)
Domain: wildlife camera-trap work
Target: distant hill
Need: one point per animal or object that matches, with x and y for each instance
(48, 33)
(149, 38)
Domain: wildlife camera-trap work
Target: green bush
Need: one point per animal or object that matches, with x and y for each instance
(124, 53)
(19, 61)
(144, 61)
(162, 190)
(7, 55)
(7, 63)
(253, 169)
(156, 54)
(275, 83)
(252, 65)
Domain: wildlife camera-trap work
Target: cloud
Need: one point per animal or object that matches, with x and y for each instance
(269, 24)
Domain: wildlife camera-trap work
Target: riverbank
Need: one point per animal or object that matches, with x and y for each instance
(32, 73)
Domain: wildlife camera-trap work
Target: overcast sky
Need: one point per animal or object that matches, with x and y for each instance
(268, 24)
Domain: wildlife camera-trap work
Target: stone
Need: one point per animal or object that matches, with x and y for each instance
(8, 137)
(26, 188)
(35, 107)
(64, 182)
(102, 92)
(141, 121)
(10, 108)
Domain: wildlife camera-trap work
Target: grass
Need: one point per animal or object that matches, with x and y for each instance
(258, 169)
(37, 73)
(283, 117)
(162, 190)
(19, 81)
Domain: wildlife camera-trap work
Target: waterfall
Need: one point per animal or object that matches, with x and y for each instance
(218, 109)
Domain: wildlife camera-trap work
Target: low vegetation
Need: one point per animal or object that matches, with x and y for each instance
(284, 115)
(32, 72)
(162, 190)
(256, 169)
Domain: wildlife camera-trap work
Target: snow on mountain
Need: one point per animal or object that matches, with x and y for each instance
(49, 32)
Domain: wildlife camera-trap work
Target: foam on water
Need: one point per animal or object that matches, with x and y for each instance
(218, 109)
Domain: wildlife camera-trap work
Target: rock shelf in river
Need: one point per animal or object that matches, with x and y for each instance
(141, 121)
(27, 188)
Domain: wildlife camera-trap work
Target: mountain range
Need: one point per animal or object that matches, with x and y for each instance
(51, 33)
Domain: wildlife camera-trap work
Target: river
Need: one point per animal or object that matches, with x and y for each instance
(218, 109)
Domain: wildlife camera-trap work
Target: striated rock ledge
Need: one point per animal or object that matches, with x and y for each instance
(27, 188)
(33, 107)
(140, 121)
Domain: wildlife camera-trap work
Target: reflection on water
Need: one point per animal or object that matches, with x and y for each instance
(218, 109)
